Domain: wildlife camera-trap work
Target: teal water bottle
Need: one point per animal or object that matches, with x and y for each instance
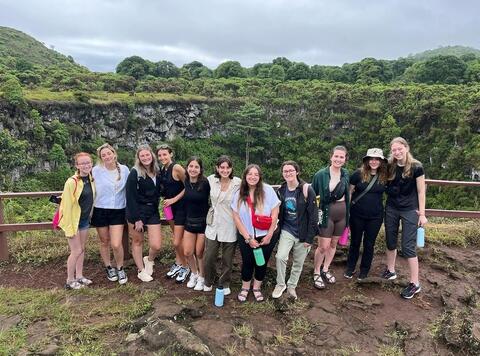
(258, 254)
(420, 237)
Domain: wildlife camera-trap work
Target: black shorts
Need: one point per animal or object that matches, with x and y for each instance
(179, 213)
(106, 217)
(148, 214)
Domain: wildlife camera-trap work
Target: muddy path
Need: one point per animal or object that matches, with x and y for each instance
(349, 317)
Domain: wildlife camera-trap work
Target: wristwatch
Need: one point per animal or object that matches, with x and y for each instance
(250, 238)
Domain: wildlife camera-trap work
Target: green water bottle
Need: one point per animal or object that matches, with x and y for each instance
(258, 254)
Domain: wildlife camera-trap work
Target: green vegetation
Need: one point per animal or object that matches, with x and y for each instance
(84, 322)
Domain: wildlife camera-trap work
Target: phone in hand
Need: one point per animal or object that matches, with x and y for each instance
(55, 199)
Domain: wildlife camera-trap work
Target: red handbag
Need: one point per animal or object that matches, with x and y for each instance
(261, 222)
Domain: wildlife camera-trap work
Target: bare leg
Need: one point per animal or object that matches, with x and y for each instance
(413, 265)
(75, 251)
(330, 252)
(104, 236)
(199, 252)
(83, 234)
(391, 256)
(137, 246)
(189, 242)
(116, 237)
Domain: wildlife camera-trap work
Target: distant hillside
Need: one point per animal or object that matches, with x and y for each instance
(16, 44)
(445, 51)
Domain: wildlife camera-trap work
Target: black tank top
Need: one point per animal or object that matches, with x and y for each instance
(171, 187)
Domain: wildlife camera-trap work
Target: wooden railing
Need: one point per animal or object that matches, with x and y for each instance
(5, 228)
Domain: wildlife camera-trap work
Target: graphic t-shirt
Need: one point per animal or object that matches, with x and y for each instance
(290, 213)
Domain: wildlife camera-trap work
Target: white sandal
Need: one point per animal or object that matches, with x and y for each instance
(318, 281)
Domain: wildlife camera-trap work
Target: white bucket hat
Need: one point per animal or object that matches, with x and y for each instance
(374, 152)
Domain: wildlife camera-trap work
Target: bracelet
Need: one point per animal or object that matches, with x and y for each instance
(250, 238)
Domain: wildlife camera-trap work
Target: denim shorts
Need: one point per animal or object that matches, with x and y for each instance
(84, 224)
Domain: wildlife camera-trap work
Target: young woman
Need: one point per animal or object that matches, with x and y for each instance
(143, 194)
(197, 192)
(109, 209)
(331, 184)
(406, 203)
(298, 225)
(75, 211)
(221, 230)
(172, 176)
(262, 199)
(366, 210)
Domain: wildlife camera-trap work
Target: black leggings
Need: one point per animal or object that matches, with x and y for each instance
(368, 230)
(248, 260)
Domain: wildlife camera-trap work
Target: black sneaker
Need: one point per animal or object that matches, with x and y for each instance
(410, 291)
(348, 274)
(362, 276)
(112, 275)
(122, 276)
(389, 275)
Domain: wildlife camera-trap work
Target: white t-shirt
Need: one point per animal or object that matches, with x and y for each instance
(271, 201)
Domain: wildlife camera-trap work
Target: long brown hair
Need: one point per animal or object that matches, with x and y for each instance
(409, 160)
(259, 195)
(366, 171)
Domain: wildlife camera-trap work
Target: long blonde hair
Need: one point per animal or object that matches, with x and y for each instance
(140, 168)
(409, 160)
(99, 158)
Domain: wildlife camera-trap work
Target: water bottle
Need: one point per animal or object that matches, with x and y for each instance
(219, 297)
(420, 237)
(167, 212)
(258, 254)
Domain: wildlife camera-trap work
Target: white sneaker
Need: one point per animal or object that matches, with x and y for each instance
(278, 291)
(200, 284)
(207, 289)
(144, 276)
(148, 265)
(226, 291)
(192, 281)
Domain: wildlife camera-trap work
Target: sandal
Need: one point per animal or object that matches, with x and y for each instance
(329, 277)
(243, 295)
(318, 281)
(257, 293)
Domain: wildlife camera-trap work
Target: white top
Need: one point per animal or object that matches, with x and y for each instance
(271, 201)
(110, 190)
(223, 227)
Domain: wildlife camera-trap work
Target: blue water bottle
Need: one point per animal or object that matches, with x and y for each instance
(420, 237)
(219, 297)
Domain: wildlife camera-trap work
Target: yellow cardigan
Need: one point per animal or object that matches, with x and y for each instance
(69, 207)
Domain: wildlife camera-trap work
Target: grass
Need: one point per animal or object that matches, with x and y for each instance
(347, 350)
(252, 308)
(84, 321)
(102, 97)
(388, 350)
(243, 330)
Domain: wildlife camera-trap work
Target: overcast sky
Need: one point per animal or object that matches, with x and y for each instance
(100, 33)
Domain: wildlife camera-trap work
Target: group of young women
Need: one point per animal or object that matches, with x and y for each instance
(213, 214)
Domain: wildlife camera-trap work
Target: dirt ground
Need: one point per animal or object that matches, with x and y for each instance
(349, 317)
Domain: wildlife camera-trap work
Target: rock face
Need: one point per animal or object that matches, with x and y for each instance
(125, 124)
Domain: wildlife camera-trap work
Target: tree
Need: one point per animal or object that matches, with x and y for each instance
(284, 62)
(230, 69)
(277, 72)
(166, 69)
(472, 73)
(298, 71)
(57, 155)
(438, 69)
(135, 66)
(195, 70)
(317, 72)
(12, 91)
(13, 155)
(251, 125)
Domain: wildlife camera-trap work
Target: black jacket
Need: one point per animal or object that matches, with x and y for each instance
(307, 212)
(141, 192)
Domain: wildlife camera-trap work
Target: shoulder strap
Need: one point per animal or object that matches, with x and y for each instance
(370, 185)
(305, 191)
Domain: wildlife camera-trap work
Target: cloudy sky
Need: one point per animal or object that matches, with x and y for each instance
(100, 33)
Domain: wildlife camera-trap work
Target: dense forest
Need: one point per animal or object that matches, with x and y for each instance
(51, 107)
